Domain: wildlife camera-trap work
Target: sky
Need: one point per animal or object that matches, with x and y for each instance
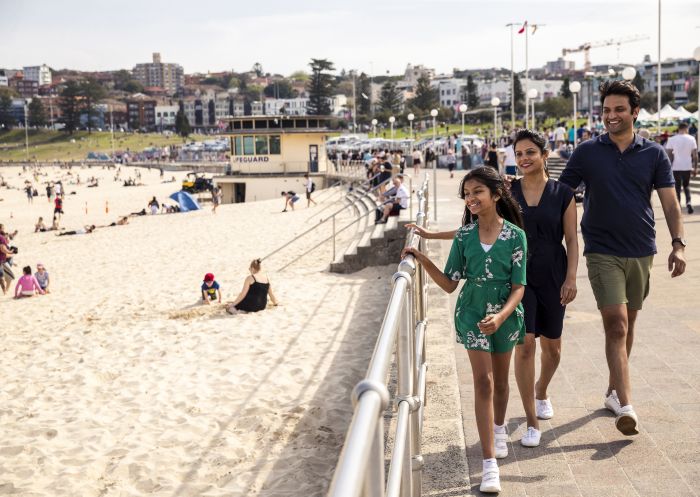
(374, 36)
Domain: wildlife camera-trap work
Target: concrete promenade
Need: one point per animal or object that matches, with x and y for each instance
(582, 454)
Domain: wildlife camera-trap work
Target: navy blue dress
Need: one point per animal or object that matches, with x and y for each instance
(546, 258)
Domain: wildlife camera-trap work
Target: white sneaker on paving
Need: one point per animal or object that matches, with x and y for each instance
(627, 421)
(500, 443)
(612, 403)
(544, 408)
(490, 479)
(531, 438)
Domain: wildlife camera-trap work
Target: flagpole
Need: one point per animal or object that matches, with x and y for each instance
(512, 79)
(527, 77)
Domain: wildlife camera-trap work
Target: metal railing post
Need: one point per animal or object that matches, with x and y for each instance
(333, 238)
(374, 483)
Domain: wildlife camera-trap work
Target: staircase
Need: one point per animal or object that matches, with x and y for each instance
(373, 244)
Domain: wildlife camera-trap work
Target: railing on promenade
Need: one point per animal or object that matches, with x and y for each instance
(360, 469)
(332, 219)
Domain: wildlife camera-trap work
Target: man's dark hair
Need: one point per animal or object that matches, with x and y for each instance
(620, 87)
(682, 126)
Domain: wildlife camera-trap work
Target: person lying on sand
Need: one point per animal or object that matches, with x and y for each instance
(88, 228)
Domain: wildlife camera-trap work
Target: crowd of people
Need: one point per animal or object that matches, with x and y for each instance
(517, 251)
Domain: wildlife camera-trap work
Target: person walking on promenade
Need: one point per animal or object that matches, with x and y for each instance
(309, 187)
(489, 252)
(416, 156)
(683, 152)
(620, 169)
(549, 214)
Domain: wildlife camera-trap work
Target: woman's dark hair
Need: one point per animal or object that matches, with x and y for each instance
(537, 138)
(27, 269)
(620, 87)
(255, 264)
(507, 207)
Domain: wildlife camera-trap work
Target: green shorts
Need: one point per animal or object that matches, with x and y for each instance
(619, 280)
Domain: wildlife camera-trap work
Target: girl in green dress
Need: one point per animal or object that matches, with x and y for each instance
(489, 252)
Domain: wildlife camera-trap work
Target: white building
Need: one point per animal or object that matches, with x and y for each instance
(546, 88)
(677, 75)
(4, 81)
(298, 106)
(165, 115)
(450, 91)
(41, 74)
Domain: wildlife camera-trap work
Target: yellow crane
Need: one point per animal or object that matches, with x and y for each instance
(586, 47)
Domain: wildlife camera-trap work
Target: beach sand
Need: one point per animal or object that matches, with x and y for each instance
(120, 383)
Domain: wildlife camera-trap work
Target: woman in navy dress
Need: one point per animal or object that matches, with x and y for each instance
(549, 212)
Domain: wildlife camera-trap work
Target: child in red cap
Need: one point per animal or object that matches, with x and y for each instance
(210, 289)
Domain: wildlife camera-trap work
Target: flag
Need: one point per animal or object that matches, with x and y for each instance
(522, 30)
(534, 28)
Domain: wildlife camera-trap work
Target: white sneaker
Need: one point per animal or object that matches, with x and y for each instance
(490, 480)
(627, 421)
(612, 403)
(531, 438)
(544, 408)
(500, 443)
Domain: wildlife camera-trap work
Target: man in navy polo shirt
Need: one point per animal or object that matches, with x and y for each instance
(620, 169)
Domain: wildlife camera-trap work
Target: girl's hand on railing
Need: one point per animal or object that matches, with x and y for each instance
(419, 230)
(420, 256)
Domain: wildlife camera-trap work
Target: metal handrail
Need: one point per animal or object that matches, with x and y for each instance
(360, 468)
(323, 221)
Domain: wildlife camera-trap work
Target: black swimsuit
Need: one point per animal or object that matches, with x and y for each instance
(256, 298)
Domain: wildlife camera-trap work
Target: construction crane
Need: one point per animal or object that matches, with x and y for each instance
(586, 47)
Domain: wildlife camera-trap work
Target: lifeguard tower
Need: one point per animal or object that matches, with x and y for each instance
(270, 154)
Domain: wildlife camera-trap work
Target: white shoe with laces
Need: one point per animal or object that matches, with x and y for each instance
(612, 403)
(627, 421)
(531, 438)
(490, 479)
(544, 408)
(500, 442)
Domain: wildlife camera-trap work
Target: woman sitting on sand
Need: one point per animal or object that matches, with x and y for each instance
(256, 288)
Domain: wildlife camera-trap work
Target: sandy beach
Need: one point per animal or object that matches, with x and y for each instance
(120, 383)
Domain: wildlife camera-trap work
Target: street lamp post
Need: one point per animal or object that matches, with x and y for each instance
(696, 56)
(392, 120)
(574, 88)
(532, 94)
(111, 128)
(374, 127)
(410, 118)
(26, 132)
(434, 114)
(462, 110)
(495, 102)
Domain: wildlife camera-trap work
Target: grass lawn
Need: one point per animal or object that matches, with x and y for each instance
(45, 145)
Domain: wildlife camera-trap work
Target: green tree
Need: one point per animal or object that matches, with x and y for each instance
(182, 125)
(472, 93)
(258, 69)
(555, 107)
(70, 105)
(37, 114)
(320, 87)
(125, 81)
(564, 90)
(92, 92)
(426, 97)
(648, 101)
(519, 95)
(299, 76)
(280, 89)
(364, 95)
(7, 122)
(693, 93)
(638, 81)
(390, 100)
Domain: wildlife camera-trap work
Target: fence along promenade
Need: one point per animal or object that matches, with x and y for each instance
(360, 468)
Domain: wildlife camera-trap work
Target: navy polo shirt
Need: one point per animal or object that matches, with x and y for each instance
(617, 215)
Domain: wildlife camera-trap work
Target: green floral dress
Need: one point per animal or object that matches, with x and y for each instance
(488, 276)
